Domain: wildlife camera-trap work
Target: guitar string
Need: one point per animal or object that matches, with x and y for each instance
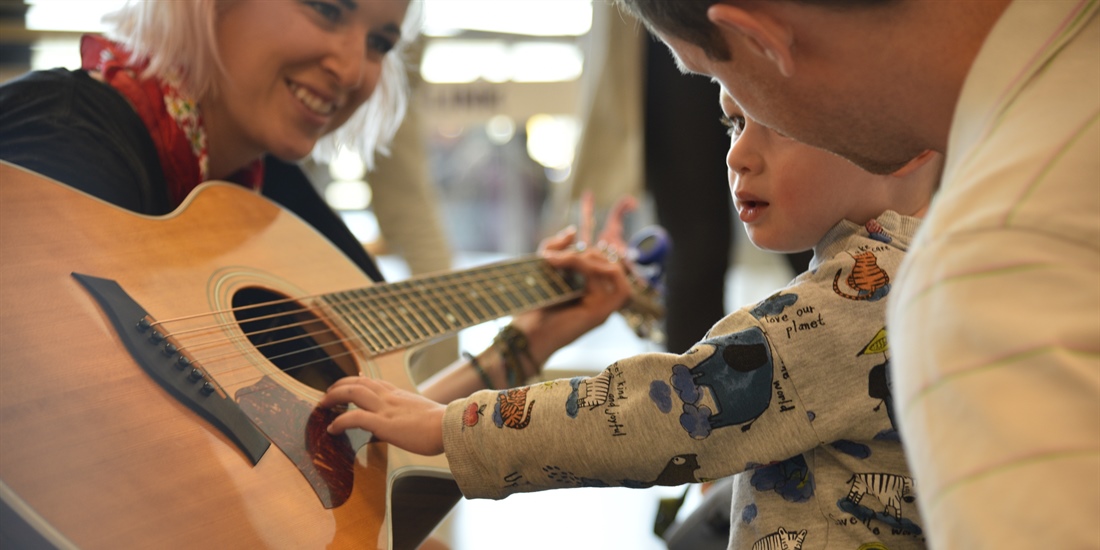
(389, 292)
(383, 288)
(448, 290)
(328, 357)
(552, 282)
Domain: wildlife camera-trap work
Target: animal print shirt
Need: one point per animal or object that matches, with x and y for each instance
(792, 395)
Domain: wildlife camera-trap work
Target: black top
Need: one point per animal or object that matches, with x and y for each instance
(70, 127)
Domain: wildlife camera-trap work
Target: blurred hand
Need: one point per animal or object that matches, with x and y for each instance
(607, 288)
(398, 417)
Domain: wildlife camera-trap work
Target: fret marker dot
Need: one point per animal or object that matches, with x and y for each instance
(530, 281)
(450, 317)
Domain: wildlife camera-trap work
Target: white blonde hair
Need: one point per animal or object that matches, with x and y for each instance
(178, 35)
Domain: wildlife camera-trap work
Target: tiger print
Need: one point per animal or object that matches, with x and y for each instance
(510, 404)
(867, 278)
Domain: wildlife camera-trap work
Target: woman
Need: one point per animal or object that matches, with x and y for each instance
(239, 90)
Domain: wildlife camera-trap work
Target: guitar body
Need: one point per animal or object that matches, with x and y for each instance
(94, 453)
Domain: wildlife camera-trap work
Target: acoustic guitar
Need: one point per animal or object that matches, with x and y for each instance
(159, 375)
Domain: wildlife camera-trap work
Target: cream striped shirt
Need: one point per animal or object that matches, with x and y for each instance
(996, 322)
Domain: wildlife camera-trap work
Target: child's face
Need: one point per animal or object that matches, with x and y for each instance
(788, 194)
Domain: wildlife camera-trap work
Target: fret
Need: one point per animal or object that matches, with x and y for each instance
(365, 309)
(394, 310)
(454, 305)
(512, 303)
(350, 305)
(396, 315)
(428, 317)
(557, 280)
(537, 285)
(488, 296)
(437, 303)
(337, 304)
(382, 310)
(520, 290)
(375, 312)
(409, 312)
(478, 290)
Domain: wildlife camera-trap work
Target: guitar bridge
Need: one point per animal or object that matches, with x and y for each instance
(172, 369)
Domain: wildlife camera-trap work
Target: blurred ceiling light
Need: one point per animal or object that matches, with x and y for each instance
(347, 191)
(69, 15)
(463, 60)
(529, 17)
(551, 140)
(346, 166)
(348, 195)
(363, 224)
(458, 61)
(558, 175)
(546, 62)
(500, 129)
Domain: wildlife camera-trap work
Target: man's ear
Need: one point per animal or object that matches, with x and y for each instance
(917, 162)
(764, 35)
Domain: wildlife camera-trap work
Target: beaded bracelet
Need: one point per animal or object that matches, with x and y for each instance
(480, 371)
(514, 344)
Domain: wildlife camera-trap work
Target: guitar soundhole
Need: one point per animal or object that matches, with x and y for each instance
(294, 339)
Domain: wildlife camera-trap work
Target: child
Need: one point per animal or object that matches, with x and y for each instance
(790, 394)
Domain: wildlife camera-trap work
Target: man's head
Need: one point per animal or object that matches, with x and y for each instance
(874, 81)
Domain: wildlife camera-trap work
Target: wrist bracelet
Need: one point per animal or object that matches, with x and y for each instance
(480, 371)
(514, 345)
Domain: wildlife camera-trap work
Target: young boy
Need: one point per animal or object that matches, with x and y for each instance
(791, 394)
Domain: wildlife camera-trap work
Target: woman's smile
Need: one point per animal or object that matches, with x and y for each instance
(313, 101)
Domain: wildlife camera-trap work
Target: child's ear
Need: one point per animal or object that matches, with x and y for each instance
(763, 34)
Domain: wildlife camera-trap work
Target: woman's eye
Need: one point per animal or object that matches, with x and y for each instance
(735, 123)
(379, 43)
(330, 12)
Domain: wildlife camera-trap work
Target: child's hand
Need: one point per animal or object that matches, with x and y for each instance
(398, 417)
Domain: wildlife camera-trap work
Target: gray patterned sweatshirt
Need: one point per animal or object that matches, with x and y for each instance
(791, 395)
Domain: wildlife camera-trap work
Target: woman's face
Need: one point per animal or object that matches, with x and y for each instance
(294, 70)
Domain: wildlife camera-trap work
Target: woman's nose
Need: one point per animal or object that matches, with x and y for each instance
(349, 61)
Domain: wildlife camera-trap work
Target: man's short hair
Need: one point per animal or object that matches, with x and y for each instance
(687, 19)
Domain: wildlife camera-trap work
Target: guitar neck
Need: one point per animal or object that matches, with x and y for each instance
(394, 316)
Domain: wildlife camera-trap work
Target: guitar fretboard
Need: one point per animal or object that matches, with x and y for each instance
(395, 316)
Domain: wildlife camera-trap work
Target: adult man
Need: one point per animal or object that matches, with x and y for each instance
(995, 330)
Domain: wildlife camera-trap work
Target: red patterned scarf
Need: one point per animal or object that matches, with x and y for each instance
(172, 119)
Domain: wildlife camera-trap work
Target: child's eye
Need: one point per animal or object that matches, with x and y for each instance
(735, 123)
(331, 12)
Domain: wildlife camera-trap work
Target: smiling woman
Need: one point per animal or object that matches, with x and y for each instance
(281, 96)
(180, 92)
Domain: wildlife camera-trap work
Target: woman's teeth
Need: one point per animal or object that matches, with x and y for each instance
(312, 101)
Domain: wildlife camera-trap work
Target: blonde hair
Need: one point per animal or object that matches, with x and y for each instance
(178, 38)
